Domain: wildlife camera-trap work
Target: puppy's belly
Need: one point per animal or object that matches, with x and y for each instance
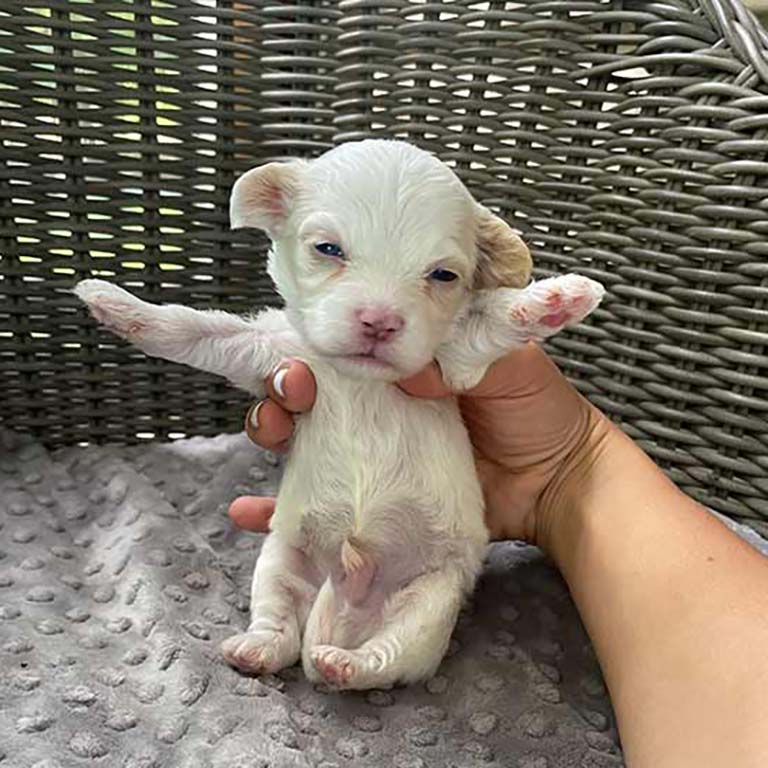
(400, 543)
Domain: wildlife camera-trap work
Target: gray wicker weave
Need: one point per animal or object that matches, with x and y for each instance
(627, 140)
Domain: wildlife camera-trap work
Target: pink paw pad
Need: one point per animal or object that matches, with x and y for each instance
(563, 310)
(557, 302)
(559, 315)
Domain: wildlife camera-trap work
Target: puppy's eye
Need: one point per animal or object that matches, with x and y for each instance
(443, 275)
(330, 249)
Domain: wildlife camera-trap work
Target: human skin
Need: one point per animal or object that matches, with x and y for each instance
(675, 603)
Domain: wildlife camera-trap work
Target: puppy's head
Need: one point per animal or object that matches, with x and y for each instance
(377, 248)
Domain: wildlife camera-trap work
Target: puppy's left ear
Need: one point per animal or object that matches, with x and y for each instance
(503, 259)
(263, 197)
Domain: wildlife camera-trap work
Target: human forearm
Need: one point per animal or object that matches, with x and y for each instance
(675, 603)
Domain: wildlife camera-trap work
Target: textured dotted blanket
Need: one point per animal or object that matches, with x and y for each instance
(120, 575)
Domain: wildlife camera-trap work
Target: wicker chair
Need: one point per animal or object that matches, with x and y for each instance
(626, 140)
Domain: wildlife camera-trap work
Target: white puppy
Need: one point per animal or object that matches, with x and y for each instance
(384, 262)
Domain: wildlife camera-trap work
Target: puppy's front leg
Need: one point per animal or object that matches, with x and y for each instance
(284, 586)
(243, 350)
(408, 646)
(502, 319)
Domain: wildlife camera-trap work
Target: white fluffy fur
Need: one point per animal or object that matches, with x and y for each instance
(378, 532)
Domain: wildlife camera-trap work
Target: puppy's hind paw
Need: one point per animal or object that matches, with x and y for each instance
(260, 653)
(336, 665)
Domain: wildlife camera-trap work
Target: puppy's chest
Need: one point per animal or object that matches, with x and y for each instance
(371, 462)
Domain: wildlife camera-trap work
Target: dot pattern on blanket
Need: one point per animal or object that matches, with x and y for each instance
(120, 575)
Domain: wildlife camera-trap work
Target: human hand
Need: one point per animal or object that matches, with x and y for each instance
(531, 430)
(290, 389)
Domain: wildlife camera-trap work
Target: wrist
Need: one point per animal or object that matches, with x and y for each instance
(567, 503)
(601, 487)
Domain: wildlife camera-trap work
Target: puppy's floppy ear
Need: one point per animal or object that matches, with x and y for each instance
(503, 259)
(263, 197)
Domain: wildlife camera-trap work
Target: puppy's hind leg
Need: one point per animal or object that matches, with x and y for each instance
(409, 644)
(284, 586)
(346, 610)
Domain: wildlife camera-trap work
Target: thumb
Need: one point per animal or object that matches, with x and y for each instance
(252, 513)
(526, 368)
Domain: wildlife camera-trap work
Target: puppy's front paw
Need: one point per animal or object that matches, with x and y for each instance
(116, 309)
(261, 653)
(548, 306)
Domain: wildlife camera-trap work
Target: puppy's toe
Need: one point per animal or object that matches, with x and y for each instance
(260, 653)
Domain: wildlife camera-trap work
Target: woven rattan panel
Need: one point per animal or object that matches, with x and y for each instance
(628, 141)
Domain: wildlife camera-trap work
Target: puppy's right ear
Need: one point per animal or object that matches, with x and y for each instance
(262, 198)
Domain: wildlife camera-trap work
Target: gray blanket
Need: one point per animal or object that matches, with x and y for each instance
(120, 575)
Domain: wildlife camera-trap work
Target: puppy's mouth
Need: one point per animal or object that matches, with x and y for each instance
(372, 357)
(369, 359)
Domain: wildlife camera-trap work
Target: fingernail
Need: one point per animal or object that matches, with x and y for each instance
(279, 382)
(254, 417)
